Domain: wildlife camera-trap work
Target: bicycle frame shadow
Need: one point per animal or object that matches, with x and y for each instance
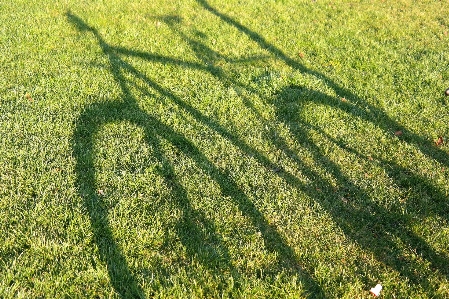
(355, 220)
(192, 225)
(360, 217)
(352, 219)
(390, 224)
(369, 112)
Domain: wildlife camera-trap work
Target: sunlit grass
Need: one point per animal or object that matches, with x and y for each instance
(207, 149)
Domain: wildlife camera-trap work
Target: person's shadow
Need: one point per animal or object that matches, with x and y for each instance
(194, 230)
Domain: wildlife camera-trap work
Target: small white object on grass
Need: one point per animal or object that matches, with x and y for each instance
(376, 290)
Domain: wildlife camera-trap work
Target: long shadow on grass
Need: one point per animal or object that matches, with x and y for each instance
(359, 217)
(194, 230)
(373, 227)
(387, 233)
(368, 112)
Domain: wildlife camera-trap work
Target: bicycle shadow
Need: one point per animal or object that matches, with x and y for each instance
(194, 230)
(368, 111)
(372, 226)
(361, 219)
(370, 221)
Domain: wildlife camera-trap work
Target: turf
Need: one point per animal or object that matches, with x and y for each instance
(246, 149)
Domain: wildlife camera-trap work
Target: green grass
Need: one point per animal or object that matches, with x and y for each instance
(244, 149)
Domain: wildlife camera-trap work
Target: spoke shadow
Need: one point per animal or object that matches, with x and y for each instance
(195, 231)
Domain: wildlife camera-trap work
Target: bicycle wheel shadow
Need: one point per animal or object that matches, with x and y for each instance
(371, 225)
(367, 221)
(361, 219)
(194, 230)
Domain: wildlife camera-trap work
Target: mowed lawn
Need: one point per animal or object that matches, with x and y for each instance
(224, 149)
